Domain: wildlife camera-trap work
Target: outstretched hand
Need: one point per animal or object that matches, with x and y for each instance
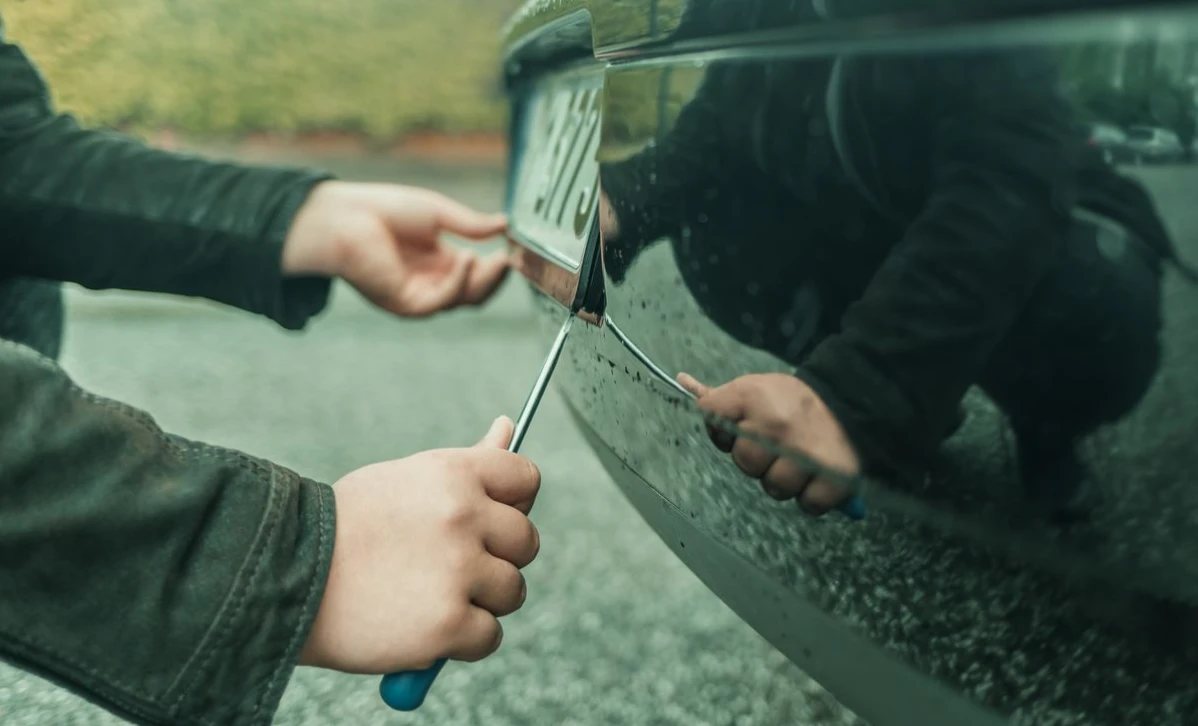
(388, 242)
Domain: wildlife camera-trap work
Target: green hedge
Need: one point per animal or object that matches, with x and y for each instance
(229, 67)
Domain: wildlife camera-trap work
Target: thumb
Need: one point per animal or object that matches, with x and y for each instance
(692, 384)
(499, 435)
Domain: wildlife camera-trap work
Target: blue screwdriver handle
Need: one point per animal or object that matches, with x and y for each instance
(853, 508)
(406, 691)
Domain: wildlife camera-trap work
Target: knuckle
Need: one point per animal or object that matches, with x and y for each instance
(484, 642)
(494, 638)
(452, 619)
(457, 512)
(513, 589)
(460, 562)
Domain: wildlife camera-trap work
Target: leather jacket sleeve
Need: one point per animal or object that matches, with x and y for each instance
(1001, 189)
(168, 581)
(105, 211)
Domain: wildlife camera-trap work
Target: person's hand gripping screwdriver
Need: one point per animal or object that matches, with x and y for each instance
(406, 690)
(784, 409)
(427, 557)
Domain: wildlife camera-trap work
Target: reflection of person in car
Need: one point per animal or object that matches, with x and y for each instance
(901, 229)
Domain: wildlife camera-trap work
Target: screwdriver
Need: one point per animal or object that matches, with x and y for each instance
(406, 690)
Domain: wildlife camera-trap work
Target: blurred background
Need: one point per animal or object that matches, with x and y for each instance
(364, 74)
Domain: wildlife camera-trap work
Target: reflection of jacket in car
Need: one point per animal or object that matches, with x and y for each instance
(880, 223)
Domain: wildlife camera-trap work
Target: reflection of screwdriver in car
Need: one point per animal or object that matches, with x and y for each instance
(405, 691)
(853, 507)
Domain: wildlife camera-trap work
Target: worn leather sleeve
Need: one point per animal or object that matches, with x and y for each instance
(1001, 189)
(168, 581)
(105, 211)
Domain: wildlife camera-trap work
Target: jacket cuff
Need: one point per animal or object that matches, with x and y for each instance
(890, 440)
(250, 653)
(289, 301)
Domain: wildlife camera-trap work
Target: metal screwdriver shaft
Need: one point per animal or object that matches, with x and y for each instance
(405, 691)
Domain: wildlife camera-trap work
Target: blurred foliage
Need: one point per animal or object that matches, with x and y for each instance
(226, 67)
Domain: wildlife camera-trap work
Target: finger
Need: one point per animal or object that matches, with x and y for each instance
(499, 589)
(447, 292)
(507, 478)
(752, 458)
(499, 436)
(785, 479)
(821, 497)
(428, 293)
(723, 440)
(475, 636)
(509, 535)
(729, 401)
(486, 277)
(692, 384)
(457, 218)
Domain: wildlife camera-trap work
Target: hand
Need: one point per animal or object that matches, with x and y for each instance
(385, 240)
(784, 410)
(427, 555)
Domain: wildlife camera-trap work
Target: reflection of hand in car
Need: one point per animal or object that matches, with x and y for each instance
(782, 409)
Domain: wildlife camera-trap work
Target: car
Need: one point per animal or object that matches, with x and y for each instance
(1153, 145)
(720, 187)
(1110, 139)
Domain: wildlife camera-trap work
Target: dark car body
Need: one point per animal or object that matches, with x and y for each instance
(954, 602)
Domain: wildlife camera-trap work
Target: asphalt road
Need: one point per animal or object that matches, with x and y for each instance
(616, 631)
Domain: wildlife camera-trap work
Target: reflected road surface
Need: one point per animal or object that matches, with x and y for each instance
(615, 631)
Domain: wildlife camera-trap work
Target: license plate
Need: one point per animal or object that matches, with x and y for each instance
(557, 182)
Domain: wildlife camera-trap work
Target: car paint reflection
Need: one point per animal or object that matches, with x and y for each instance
(957, 572)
